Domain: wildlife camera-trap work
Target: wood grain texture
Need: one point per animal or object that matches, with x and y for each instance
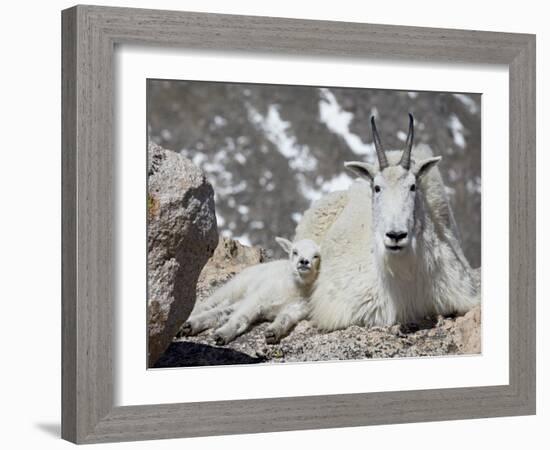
(89, 36)
(68, 225)
(522, 282)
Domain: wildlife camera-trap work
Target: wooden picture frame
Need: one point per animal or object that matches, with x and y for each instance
(90, 34)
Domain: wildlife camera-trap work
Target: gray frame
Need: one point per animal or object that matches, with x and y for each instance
(90, 34)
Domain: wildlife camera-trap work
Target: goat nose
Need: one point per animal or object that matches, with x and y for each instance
(304, 261)
(396, 235)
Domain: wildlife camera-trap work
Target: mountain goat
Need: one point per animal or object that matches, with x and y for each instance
(389, 244)
(277, 291)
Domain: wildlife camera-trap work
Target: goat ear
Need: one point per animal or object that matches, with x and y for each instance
(285, 244)
(362, 169)
(421, 168)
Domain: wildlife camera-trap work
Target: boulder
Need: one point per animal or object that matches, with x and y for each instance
(468, 331)
(181, 236)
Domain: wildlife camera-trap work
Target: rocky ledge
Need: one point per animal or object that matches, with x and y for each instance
(433, 336)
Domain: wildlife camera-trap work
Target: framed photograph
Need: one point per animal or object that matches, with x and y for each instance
(267, 222)
(274, 158)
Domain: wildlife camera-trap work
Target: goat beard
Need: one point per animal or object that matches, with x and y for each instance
(401, 265)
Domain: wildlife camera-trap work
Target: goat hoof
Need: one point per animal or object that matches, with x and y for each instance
(185, 330)
(219, 340)
(271, 337)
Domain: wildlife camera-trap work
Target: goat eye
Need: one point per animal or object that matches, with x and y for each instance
(295, 253)
(376, 188)
(413, 187)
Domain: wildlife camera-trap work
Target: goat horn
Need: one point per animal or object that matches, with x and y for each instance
(406, 158)
(382, 160)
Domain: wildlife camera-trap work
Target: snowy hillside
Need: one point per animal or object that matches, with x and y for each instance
(269, 151)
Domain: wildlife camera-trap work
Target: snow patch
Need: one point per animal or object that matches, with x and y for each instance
(467, 101)
(450, 191)
(166, 134)
(244, 239)
(401, 135)
(227, 233)
(296, 216)
(240, 187)
(243, 209)
(458, 130)
(474, 186)
(256, 225)
(276, 130)
(338, 121)
(240, 158)
(308, 192)
(338, 183)
(220, 221)
(220, 121)
(198, 159)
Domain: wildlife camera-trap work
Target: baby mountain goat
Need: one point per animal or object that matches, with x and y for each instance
(276, 291)
(389, 245)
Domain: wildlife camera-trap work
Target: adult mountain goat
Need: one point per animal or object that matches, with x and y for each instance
(389, 244)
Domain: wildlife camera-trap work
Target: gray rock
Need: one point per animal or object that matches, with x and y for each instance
(181, 236)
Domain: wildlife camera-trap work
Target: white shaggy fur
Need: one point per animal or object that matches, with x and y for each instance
(361, 281)
(276, 291)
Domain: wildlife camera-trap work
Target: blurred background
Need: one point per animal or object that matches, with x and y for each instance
(270, 150)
